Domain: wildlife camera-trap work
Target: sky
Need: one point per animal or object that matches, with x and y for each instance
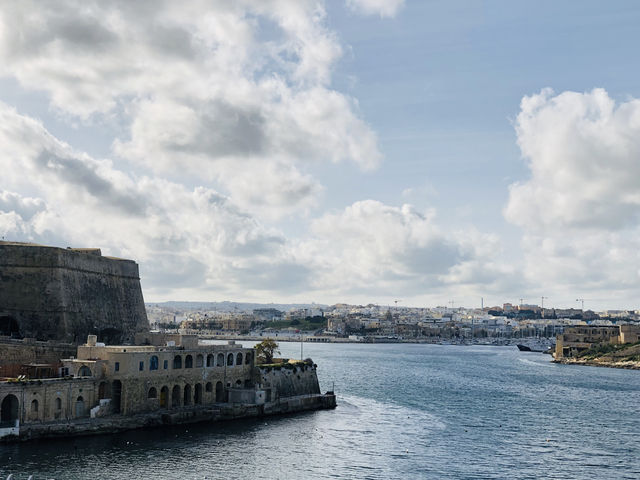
(359, 151)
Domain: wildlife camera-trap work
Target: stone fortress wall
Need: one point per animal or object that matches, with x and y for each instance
(290, 380)
(52, 293)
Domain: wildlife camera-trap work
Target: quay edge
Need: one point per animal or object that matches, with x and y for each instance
(202, 414)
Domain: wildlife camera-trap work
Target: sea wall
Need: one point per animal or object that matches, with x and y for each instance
(117, 423)
(52, 293)
(289, 379)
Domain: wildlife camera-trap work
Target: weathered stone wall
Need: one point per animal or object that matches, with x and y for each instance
(52, 293)
(19, 352)
(290, 380)
(203, 413)
(51, 399)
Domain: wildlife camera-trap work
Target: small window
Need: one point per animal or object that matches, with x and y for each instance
(141, 367)
(209, 387)
(166, 364)
(153, 363)
(188, 361)
(117, 367)
(34, 406)
(230, 359)
(58, 404)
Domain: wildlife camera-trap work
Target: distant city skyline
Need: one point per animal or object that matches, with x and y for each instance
(357, 151)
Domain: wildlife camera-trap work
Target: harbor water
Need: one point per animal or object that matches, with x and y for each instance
(404, 411)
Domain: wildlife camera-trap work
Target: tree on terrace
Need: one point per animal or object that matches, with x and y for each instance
(265, 350)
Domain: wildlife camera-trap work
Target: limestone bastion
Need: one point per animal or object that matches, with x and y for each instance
(65, 294)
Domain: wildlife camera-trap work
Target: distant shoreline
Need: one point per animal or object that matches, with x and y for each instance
(311, 339)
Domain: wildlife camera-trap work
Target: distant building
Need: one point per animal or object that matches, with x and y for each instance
(267, 314)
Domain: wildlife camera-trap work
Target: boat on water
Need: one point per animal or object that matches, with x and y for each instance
(540, 346)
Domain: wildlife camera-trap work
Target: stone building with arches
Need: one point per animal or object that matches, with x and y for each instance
(167, 373)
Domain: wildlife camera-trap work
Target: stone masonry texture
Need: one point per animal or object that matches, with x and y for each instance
(51, 293)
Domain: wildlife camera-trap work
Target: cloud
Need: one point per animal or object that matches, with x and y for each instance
(222, 110)
(384, 8)
(385, 250)
(198, 240)
(195, 238)
(24, 207)
(203, 89)
(584, 155)
(579, 210)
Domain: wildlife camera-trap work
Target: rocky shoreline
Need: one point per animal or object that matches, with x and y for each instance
(627, 358)
(598, 362)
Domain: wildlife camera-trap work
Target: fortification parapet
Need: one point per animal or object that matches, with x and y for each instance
(52, 293)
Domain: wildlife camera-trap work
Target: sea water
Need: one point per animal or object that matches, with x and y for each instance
(404, 411)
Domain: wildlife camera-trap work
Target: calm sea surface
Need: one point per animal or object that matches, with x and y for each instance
(405, 411)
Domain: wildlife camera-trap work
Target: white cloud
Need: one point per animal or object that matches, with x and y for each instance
(385, 250)
(193, 238)
(384, 8)
(198, 240)
(580, 209)
(584, 156)
(207, 88)
(234, 99)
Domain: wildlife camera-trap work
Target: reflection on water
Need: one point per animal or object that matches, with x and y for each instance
(405, 411)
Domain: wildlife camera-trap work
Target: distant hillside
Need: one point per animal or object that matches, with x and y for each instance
(234, 306)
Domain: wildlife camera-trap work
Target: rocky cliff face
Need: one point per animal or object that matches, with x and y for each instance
(52, 293)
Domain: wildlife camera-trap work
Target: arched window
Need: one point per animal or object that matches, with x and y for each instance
(34, 406)
(84, 371)
(197, 394)
(187, 395)
(116, 396)
(199, 360)
(175, 396)
(164, 397)
(247, 358)
(153, 393)
(9, 409)
(210, 360)
(219, 392)
(153, 362)
(220, 361)
(239, 359)
(188, 362)
(58, 403)
(230, 359)
(208, 387)
(177, 361)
